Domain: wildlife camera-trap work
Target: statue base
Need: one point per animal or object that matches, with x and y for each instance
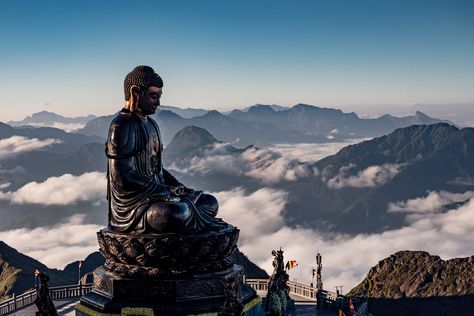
(219, 292)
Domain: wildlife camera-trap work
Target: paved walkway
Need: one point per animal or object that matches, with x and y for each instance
(310, 309)
(66, 307)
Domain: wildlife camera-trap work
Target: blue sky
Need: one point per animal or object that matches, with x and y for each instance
(70, 57)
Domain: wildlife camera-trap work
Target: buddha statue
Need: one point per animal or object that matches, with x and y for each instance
(143, 196)
(164, 248)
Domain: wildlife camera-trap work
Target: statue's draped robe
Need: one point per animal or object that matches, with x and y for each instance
(136, 178)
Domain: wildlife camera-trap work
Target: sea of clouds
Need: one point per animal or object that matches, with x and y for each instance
(258, 214)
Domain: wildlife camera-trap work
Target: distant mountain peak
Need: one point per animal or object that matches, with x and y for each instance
(197, 132)
(305, 106)
(167, 114)
(420, 114)
(261, 108)
(418, 274)
(213, 114)
(188, 141)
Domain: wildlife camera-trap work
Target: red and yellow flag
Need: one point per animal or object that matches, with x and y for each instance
(291, 264)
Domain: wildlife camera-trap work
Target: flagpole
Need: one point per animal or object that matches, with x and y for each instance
(79, 272)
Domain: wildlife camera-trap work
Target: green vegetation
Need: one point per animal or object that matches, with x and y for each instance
(129, 311)
(84, 310)
(252, 304)
(8, 277)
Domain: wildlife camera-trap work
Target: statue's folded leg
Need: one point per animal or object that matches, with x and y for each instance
(208, 203)
(176, 216)
(168, 217)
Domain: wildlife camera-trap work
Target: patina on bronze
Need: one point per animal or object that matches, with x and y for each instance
(164, 247)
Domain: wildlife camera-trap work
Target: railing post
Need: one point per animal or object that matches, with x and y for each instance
(14, 301)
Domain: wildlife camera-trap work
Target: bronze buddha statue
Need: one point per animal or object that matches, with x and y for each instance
(143, 196)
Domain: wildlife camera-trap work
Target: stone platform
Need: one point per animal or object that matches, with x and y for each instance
(190, 295)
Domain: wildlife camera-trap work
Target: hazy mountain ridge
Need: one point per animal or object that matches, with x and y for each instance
(261, 124)
(67, 142)
(353, 188)
(316, 120)
(186, 113)
(421, 159)
(418, 274)
(230, 130)
(41, 164)
(17, 272)
(49, 118)
(337, 198)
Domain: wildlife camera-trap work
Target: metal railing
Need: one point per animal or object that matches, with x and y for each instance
(302, 290)
(321, 298)
(56, 292)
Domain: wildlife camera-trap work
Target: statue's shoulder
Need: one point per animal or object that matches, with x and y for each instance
(123, 132)
(123, 118)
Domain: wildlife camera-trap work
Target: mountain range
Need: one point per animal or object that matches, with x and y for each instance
(50, 119)
(350, 191)
(256, 125)
(261, 125)
(64, 141)
(417, 274)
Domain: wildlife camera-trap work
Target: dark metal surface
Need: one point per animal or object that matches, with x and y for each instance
(198, 294)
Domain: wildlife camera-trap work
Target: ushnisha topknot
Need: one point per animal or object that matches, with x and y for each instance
(142, 76)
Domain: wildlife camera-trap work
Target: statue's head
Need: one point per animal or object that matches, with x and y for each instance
(143, 88)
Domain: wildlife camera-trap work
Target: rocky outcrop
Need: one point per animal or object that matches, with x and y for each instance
(413, 274)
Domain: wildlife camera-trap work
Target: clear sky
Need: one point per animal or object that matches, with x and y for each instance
(70, 57)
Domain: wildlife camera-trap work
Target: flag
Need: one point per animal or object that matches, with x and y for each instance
(291, 264)
(314, 272)
(80, 263)
(351, 307)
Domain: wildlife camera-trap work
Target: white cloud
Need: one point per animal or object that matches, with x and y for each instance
(257, 210)
(370, 177)
(346, 259)
(67, 127)
(433, 202)
(310, 152)
(463, 181)
(64, 190)
(55, 246)
(263, 164)
(18, 144)
(281, 162)
(4, 185)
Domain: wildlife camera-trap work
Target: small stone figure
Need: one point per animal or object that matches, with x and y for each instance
(278, 293)
(43, 301)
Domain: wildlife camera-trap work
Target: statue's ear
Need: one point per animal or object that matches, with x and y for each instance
(134, 97)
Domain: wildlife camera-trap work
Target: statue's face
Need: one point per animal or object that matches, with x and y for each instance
(149, 101)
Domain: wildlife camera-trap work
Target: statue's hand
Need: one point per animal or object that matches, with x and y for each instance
(177, 191)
